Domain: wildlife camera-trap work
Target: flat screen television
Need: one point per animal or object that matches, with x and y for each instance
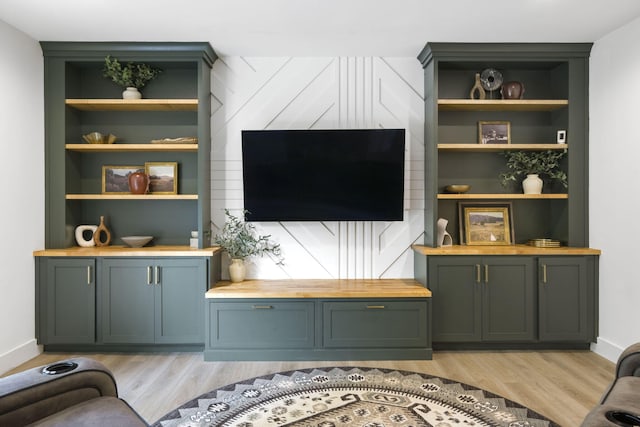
(323, 175)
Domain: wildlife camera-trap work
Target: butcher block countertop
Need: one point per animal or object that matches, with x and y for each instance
(502, 250)
(320, 288)
(125, 251)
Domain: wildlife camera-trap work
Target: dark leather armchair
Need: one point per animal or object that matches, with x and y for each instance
(620, 404)
(74, 392)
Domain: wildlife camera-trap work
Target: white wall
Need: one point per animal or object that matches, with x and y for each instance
(22, 191)
(613, 193)
(321, 93)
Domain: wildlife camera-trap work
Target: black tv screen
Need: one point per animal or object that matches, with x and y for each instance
(323, 175)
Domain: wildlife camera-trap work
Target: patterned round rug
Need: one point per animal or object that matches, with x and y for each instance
(351, 397)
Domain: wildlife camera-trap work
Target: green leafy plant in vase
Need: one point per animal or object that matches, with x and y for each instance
(240, 241)
(530, 165)
(132, 76)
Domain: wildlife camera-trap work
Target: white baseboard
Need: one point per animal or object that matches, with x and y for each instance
(19, 355)
(607, 349)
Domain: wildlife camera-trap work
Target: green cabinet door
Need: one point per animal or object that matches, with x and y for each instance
(153, 300)
(564, 292)
(508, 298)
(482, 298)
(455, 283)
(68, 301)
(180, 285)
(128, 301)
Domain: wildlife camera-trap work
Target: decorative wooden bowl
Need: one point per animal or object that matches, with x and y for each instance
(458, 188)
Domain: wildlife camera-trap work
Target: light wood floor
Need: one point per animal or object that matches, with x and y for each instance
(561, 385)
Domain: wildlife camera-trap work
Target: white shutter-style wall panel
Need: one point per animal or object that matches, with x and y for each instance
(321, 93)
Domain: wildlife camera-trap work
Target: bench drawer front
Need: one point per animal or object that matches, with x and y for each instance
(375, 323)
(261, 324)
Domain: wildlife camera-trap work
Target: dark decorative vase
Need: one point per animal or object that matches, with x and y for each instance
(138, 183)
(512, 90)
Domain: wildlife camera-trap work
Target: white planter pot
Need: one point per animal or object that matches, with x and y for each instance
(532, 184)
(237, 270)
(131, 93)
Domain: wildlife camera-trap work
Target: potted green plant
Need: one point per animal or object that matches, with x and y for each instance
(240, 240)
(132, 76)
(531, 164)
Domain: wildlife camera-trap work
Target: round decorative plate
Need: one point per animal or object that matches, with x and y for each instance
(491, 79)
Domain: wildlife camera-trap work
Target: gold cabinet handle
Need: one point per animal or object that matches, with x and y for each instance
(89, 275)
(376, 307)
(157, 275)
(544, 273)
(477, 273)
(262, 307)
(148, 275)
(486, 273)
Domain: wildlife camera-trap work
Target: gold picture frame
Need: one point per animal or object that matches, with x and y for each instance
(115, 179)
(486, 223)
(494, 132)
(163, 177)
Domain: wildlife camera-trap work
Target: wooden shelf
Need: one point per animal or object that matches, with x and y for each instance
(501, 104)
(502, 250)
(502, 196)
(119, 250)
(501, 147)
(106, 148)
(131, 197)
(133, 104)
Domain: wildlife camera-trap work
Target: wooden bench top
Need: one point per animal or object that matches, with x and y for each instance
(320, 288)
(125, 251)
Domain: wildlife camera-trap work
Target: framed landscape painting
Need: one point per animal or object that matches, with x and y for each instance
(486, 223)
(115, 179)
(163, 177)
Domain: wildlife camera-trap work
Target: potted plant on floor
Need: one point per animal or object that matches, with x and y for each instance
(240, 240)
(532, 164)
(132, 76)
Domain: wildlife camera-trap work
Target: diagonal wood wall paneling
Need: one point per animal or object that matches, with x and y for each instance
(321, 93)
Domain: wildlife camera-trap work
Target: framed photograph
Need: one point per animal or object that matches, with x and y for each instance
(486, 223)
(494, 132)
(163, 177)
(115, 179)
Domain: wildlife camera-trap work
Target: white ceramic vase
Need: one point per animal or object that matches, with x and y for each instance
(131, 93)
(237, 270)
(532, 184)
(80, 235)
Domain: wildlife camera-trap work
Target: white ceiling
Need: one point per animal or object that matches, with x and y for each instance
(319, 27)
